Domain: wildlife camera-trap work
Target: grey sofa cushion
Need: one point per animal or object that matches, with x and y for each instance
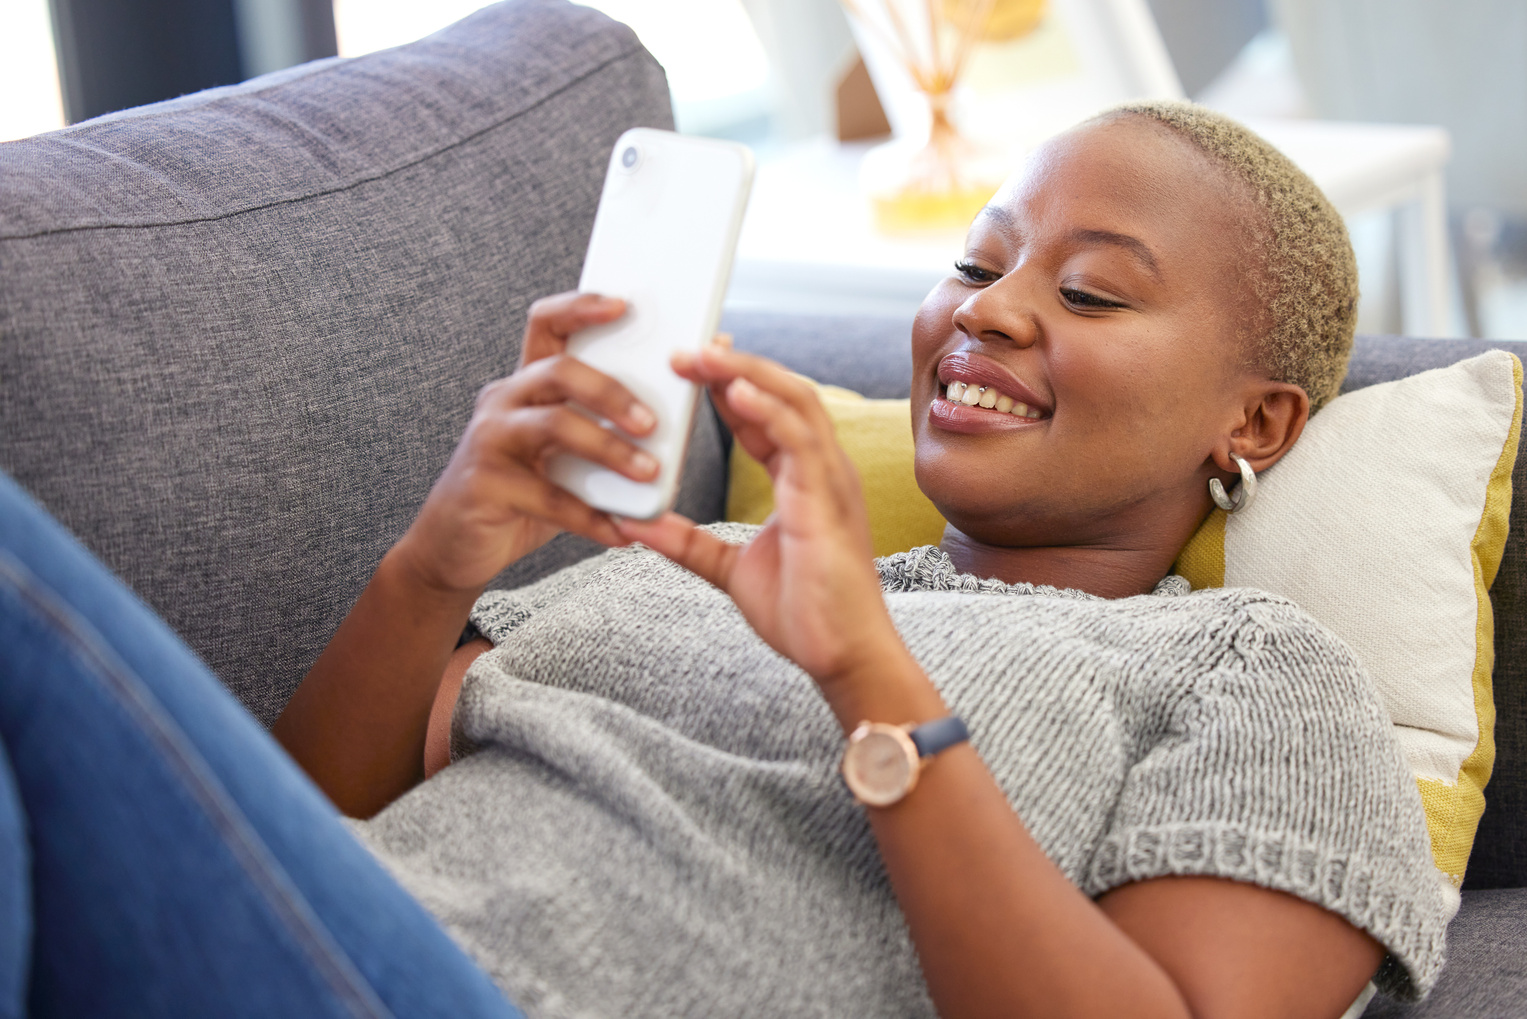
(868, 354)
(240, 331)
(1486, 972)
(873, 355)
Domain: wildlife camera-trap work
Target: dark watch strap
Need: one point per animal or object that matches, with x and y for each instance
(939, 734)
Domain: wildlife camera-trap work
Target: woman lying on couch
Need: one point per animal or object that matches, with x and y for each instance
(1170, 803)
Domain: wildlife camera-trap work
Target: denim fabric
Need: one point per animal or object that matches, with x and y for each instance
(15, 898)
(180, 862)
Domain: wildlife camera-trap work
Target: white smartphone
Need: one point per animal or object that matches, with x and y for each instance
(663, 240)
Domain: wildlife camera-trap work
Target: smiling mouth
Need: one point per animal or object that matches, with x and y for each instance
(989, 398)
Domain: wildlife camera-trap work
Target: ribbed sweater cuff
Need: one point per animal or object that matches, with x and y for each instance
(1365, 893)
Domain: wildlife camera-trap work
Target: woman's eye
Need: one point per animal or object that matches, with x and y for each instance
(972, 273)
(1082, 299)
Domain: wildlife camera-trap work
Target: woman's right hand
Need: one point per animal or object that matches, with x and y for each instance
(359, 721)
(494, 503)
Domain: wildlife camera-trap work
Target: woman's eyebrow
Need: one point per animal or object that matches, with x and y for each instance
(1133, 245)
(1002, 216)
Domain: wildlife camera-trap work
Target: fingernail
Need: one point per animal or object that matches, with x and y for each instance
(722, 340)
(645, 463)
(641, 418)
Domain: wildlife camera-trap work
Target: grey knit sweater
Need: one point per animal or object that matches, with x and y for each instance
(654, 825)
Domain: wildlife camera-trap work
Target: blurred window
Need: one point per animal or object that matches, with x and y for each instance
(30, 101)
(716, 68)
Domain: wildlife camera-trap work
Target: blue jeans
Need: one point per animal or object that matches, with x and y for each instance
(159, 853)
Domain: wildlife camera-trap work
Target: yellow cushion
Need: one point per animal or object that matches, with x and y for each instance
(877, 436)
(1386, 522)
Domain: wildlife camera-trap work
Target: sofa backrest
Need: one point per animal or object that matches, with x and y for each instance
(874, 357)
(241, 331)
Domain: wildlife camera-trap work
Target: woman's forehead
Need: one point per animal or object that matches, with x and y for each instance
(1123, 176)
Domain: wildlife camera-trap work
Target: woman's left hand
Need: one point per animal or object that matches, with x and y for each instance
(806, 582)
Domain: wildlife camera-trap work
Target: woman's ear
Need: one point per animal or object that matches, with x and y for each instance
(1275, 415)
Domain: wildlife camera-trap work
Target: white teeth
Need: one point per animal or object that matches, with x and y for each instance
(988, 397)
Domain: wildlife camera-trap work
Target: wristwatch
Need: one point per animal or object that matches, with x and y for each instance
(881, 762)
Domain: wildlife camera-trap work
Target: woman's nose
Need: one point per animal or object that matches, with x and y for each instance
(997, 314)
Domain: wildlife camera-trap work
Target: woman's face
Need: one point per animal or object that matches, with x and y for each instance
(1102, 294)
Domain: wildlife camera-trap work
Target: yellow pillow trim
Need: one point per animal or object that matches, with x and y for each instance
(877, 436)
(1202, 560)
(1453, 812)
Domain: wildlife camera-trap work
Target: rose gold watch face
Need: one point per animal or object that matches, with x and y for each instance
(878, 769)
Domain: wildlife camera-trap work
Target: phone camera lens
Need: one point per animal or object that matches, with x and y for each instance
(629, 157)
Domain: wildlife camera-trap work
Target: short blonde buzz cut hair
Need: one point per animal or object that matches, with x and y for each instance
(1305, 279)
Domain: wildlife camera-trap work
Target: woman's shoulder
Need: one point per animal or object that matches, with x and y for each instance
(1263, 626)
(1267, 650)
(1260, 651)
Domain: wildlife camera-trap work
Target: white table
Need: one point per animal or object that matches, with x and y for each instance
(808, 244)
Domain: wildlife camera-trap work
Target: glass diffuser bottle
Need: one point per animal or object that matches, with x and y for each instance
(939, 182)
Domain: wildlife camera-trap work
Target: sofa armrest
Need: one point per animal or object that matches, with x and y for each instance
(1486, 970)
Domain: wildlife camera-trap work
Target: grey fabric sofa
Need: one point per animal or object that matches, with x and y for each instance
(241, 331)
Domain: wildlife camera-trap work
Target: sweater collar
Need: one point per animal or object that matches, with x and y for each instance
(929, 568)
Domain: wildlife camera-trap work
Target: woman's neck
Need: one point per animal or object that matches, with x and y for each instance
(1106, 571)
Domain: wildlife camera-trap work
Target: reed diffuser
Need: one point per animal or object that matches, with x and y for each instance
(939, 182)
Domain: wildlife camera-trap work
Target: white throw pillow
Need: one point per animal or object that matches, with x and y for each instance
(1386, 522)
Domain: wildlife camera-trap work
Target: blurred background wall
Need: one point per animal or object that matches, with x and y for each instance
(1463, 65)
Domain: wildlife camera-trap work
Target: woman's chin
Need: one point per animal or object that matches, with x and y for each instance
(949, 416)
